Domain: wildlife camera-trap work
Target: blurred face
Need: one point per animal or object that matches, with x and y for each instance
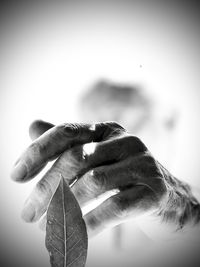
(131, 117)
(150, 125)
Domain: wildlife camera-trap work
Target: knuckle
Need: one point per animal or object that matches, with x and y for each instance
(99, 179)
(154, 175)
(134, 144)
(36, 149)
(43, 187)
(146, 166)
(76, 154)
(71, 161)
(115, 125)
(91, 184)
(71, 126)
(149, 159)
(152, 166)
(68, 129)
(112, 129)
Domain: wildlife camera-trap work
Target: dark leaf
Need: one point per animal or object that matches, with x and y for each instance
(66, 236)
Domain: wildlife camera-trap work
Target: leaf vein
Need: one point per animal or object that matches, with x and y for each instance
(73, 246)
(60, 238)
(74, 260)
(56, 221)
(57, 249)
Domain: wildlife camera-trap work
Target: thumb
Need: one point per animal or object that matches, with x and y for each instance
(38, 127)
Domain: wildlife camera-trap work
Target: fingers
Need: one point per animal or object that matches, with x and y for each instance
(108, 130)
(37, 203)
(89, 186)
(48, 146)
(92, 179)
(38, 127)
(118, 208)
(54, 142)
(102, 179)
(68, 166)
(114, 150)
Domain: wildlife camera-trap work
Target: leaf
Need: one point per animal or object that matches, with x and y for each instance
(66, 236)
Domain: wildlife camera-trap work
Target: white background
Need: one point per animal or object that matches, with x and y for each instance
(51, 53)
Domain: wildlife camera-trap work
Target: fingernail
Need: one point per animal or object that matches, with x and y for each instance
(19, 171)
(28, 212)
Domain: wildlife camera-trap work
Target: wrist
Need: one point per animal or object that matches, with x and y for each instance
(179, 206)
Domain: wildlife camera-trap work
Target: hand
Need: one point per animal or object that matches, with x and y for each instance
(95, 159)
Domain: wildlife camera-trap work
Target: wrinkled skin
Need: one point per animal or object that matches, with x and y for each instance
(95, 159)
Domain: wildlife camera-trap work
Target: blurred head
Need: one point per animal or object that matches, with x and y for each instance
(125, 104)
(137, 111)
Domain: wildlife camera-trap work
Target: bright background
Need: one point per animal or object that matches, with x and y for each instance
(50, 53)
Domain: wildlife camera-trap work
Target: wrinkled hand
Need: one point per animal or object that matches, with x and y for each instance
(93, 159)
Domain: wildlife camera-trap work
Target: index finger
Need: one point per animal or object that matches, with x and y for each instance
(48, 146)
(55, 141)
